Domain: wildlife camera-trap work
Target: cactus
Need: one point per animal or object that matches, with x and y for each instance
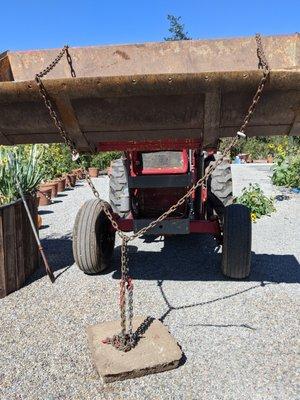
(23, 162)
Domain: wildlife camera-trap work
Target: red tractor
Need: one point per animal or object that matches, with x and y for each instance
(146, 182)
(161, 104)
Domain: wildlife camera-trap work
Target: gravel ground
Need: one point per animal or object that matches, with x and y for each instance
(239, 337)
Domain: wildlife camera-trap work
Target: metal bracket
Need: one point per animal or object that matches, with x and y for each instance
(159, 181)
(166, 227)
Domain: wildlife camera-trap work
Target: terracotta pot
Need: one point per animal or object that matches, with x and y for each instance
(52, 186)
(72, 180)
(37, 201)
(61, 184)
(68, 180)
(93, 172)
(260, 161)
(79, 173)
(44, 195)
(270, 159)
(39, 221)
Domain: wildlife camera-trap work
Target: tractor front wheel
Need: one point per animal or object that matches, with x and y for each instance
(93, 238)
(236, 257)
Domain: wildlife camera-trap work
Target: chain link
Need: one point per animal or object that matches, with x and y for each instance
(126, 339)
(49, 104)
(263, 64)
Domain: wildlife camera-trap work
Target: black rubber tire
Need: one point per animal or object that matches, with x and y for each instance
(93, 239)
(118, 186)
(237, 232)
(221, 182)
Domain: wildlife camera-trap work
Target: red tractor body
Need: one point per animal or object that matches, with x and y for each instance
(158, 174)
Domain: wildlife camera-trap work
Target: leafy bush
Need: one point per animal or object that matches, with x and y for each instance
(259, 204)
(103, 160)
(261, 147)
(57, 160)
(287, 171)
(54, 160)
(23, 162)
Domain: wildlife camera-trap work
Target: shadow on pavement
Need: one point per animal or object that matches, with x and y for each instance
(59, 255)
(196, 257)
(182, 258)
(45, 212)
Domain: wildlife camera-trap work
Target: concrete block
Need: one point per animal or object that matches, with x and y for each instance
(156, 350)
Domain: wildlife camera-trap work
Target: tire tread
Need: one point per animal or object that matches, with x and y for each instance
(87, 253)
(236, 257)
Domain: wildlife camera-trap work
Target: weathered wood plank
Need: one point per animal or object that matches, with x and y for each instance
(19, 255)
(9, 248)
(20, 233)
(27, 243)
(2, 259)
(33, 247)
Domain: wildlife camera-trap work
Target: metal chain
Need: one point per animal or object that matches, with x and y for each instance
(126, 339)
(262, 59)
(49, 104)
(262, 63)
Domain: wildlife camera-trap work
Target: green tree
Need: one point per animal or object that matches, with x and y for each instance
(176, 29)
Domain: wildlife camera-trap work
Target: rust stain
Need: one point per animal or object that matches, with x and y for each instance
(122, 54)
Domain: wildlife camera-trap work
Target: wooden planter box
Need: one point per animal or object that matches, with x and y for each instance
(19, 255)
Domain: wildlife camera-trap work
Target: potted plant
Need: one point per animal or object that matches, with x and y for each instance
(24, 163)
(78, 172)
(57, 161)
(100, 162)
(19, 257)
(61, 183)
(49, 185)
(93, 171)
(60, 178)
(71, 179)
(44, 196)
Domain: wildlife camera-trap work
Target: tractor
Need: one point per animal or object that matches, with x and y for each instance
(147, 181)
(164, 106)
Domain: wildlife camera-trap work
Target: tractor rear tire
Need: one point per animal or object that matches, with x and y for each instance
(93, 238)
(236, 255)
(118, 186)
(221, 182)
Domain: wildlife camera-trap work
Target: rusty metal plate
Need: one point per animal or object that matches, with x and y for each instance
(171, 57)
(154, 91)
(166, 227)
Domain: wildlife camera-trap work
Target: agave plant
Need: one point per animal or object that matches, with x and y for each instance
(22, 162)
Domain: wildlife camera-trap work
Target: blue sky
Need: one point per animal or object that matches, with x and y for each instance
(33, 24)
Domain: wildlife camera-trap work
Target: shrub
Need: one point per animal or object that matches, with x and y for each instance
(57, 160)
(103, 160)
(287, 171)
(260, 147)
(259, 204)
